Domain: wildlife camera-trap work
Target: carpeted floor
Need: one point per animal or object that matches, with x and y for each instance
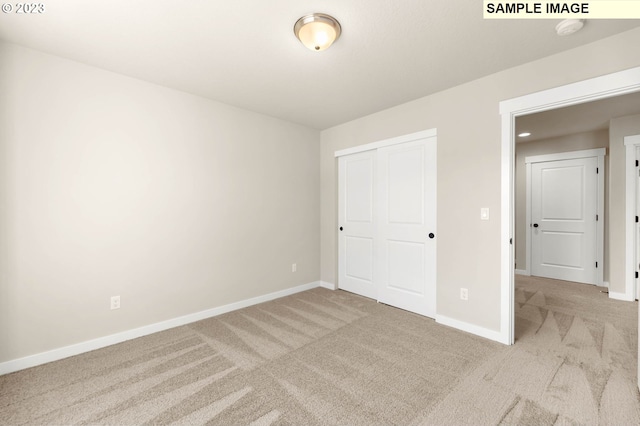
(331, 357)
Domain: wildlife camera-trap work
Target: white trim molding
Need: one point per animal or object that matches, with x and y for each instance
(471, 328)
(606, 86)
(524, 272)
(631, 144)
(101, 342)
(327, 285)
(585, 153)
(619, 296)
(388, 142)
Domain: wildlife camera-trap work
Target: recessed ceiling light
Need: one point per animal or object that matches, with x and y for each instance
(569, 26)
(524, 134)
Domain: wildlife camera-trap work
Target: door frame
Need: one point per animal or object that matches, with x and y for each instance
(606, 86)
(599, 153)
(631, 143)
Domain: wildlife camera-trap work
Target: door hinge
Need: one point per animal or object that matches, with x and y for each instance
(636, 274)
(510, 240)
(597, 170)
(596, 264)
(637, 163)
(636, 219)
(597, 219)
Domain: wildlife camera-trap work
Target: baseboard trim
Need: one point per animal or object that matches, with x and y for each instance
(471, 328)
(522, 272)
(620, 296)
(327, 285)
(101, 342)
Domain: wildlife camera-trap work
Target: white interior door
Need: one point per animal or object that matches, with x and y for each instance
(406, 226)
(563, 215)
(637, 292)
(637, 233)
(356, 218)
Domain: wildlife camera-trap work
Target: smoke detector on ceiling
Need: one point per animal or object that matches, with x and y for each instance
(569, 26)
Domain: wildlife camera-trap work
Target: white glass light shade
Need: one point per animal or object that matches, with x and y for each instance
(317, 31)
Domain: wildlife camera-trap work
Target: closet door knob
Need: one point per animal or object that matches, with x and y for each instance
(432, 235)
(341, 228)
(535, 225)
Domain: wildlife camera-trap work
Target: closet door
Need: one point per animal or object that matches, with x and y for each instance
(356, 221)
(406, 248)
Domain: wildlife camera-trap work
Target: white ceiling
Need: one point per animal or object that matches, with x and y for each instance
(244, 53)
(585, 117)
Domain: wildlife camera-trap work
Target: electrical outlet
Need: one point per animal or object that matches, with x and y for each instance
(464, 294)
(115, 302)
(294, 267)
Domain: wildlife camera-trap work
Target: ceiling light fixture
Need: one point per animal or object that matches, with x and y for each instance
(317, 31)
(569, 26)
(524, 134)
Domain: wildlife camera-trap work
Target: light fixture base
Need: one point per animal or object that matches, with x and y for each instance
(569, 26)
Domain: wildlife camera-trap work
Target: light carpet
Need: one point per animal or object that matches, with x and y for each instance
(331, 357)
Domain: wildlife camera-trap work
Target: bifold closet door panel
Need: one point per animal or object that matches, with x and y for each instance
(356, 221)
(406, 226)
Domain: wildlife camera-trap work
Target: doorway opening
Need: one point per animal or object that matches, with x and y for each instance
(608, 86)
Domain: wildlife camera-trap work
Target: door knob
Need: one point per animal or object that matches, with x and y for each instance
(432, 235)
(341, 228)
(535, 225)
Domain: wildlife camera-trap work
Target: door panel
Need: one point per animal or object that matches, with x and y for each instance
(562, 190)
(407, 188)
(356, 212)
(406, 266)
(563, 212)
(359, 189)
(359, 252)
(562, 249)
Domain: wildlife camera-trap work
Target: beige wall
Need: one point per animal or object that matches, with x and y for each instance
(114, 186)
(110, 185)
(469, 158)
(618, 129)
(568, 143)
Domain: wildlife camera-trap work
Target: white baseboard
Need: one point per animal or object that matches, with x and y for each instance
(330, 286)
(470, 328)
(101, 342)
(605, 284)
(620, 296)
(522, 272)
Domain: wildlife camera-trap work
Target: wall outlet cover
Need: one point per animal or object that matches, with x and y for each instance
(115, 302)
(464, 294)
